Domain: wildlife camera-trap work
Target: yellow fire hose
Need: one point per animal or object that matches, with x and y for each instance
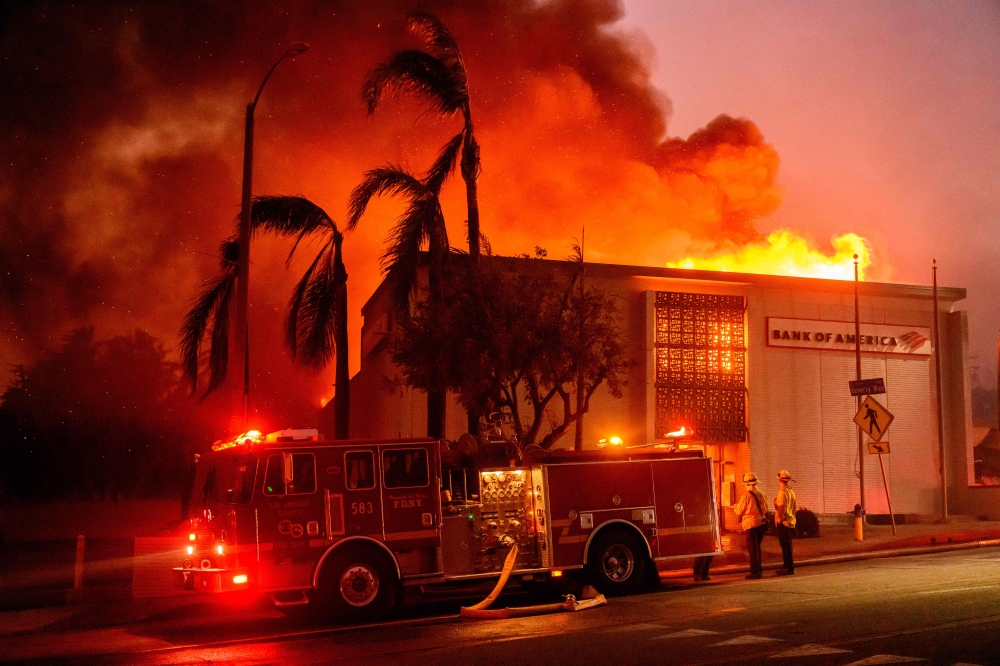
(481, 610)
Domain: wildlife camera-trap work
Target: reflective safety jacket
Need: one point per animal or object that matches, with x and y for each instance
(784, 507)
(751, 509)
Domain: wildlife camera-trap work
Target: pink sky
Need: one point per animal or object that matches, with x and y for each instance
(884, 115)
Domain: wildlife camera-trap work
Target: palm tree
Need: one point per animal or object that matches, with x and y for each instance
(438, 75)
(212, 306)
(422, 221)
(316, 321)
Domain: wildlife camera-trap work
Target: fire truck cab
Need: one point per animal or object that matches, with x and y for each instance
(344, 526)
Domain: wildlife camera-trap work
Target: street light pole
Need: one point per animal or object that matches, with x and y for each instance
(940, 407)
(857, 360)
(241, 346)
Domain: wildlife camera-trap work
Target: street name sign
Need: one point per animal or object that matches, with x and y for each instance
(867, 386)
(878, 447)
(873, 418)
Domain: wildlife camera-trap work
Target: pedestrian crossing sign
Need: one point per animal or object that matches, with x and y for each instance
(873, 418)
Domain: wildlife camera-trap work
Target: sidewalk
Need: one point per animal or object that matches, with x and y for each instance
(838, 540)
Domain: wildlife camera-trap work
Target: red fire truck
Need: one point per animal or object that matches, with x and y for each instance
(345, 526)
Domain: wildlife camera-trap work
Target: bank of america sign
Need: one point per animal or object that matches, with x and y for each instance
(839, 336)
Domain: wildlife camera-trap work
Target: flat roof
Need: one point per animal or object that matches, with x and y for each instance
(760, 280)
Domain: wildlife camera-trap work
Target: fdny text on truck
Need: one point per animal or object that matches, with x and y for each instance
(343, 527)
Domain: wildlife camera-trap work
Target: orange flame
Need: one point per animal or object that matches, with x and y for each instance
(784, 252)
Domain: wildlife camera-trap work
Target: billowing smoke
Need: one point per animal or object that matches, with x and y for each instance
(122, 146)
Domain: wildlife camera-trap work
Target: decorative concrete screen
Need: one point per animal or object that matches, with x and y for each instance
(701, 365)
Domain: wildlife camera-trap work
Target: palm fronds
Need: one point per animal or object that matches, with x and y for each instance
(422, 220)
(311, 326)
(444, 164)
(388, 180)
(416, 72)
(212, 306)
(288, 216)
(436, 37)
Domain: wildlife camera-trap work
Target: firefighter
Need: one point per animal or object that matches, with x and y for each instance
(784, 521)
(752, 515)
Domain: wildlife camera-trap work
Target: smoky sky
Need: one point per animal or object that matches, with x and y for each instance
(121, 145)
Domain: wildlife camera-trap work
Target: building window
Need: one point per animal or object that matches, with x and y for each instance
(701, 365)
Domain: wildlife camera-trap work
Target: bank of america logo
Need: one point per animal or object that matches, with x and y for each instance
(912, 340)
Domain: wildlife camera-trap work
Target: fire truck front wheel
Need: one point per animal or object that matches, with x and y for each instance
(357, 584)
(617, 562)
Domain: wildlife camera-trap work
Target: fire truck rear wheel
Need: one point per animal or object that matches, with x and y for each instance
(357, 584)
(617, 562)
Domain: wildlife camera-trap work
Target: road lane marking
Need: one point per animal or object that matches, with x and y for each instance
(884, 659)
(960, 589)
(687, 633)
(746, 639)
(808, 650)
(920, 630)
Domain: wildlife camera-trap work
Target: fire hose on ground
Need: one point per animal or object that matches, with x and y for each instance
(482, 610)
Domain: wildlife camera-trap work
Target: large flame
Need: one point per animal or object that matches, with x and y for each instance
(786, 253)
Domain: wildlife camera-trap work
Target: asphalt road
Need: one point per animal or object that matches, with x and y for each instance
(938, 609)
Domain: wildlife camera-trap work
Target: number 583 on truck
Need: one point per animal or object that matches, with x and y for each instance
(345, 527)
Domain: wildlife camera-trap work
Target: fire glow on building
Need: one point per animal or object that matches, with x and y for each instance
(759, 365)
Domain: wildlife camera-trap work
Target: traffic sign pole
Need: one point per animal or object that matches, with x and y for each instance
(888, 499)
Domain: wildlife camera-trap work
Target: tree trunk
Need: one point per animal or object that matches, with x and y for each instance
(578, 438)
(342, 396)
(436, 392)
(470, 174)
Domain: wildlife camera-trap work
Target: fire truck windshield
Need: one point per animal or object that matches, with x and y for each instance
(226, 478)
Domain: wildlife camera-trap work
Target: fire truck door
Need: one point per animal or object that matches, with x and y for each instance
(359, 508)
(410, 496)
(290, 517)
(684, 506)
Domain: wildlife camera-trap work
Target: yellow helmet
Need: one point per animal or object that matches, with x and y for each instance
(749, 477)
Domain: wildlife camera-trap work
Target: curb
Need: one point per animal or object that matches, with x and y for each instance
(847, 557)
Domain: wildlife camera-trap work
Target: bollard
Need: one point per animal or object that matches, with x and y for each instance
(859, 530)
(78, 569)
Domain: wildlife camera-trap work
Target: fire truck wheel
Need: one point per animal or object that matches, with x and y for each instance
(616, 562)
(357, 584)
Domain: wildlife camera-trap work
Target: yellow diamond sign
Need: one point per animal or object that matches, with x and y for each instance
(873, 418)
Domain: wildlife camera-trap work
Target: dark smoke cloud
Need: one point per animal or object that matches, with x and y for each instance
(121, 153)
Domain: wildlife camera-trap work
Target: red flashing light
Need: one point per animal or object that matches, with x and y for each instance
(240, 579)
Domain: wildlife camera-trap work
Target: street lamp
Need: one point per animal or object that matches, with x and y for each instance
(241, 333)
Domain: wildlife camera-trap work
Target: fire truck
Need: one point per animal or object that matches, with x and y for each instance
(344, 527)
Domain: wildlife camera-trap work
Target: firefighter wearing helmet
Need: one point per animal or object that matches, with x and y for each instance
(753, 517)
(784, 521)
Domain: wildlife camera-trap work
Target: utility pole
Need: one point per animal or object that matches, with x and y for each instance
(857, 360)
(578, 435)
(241, 326)
(940, 407)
